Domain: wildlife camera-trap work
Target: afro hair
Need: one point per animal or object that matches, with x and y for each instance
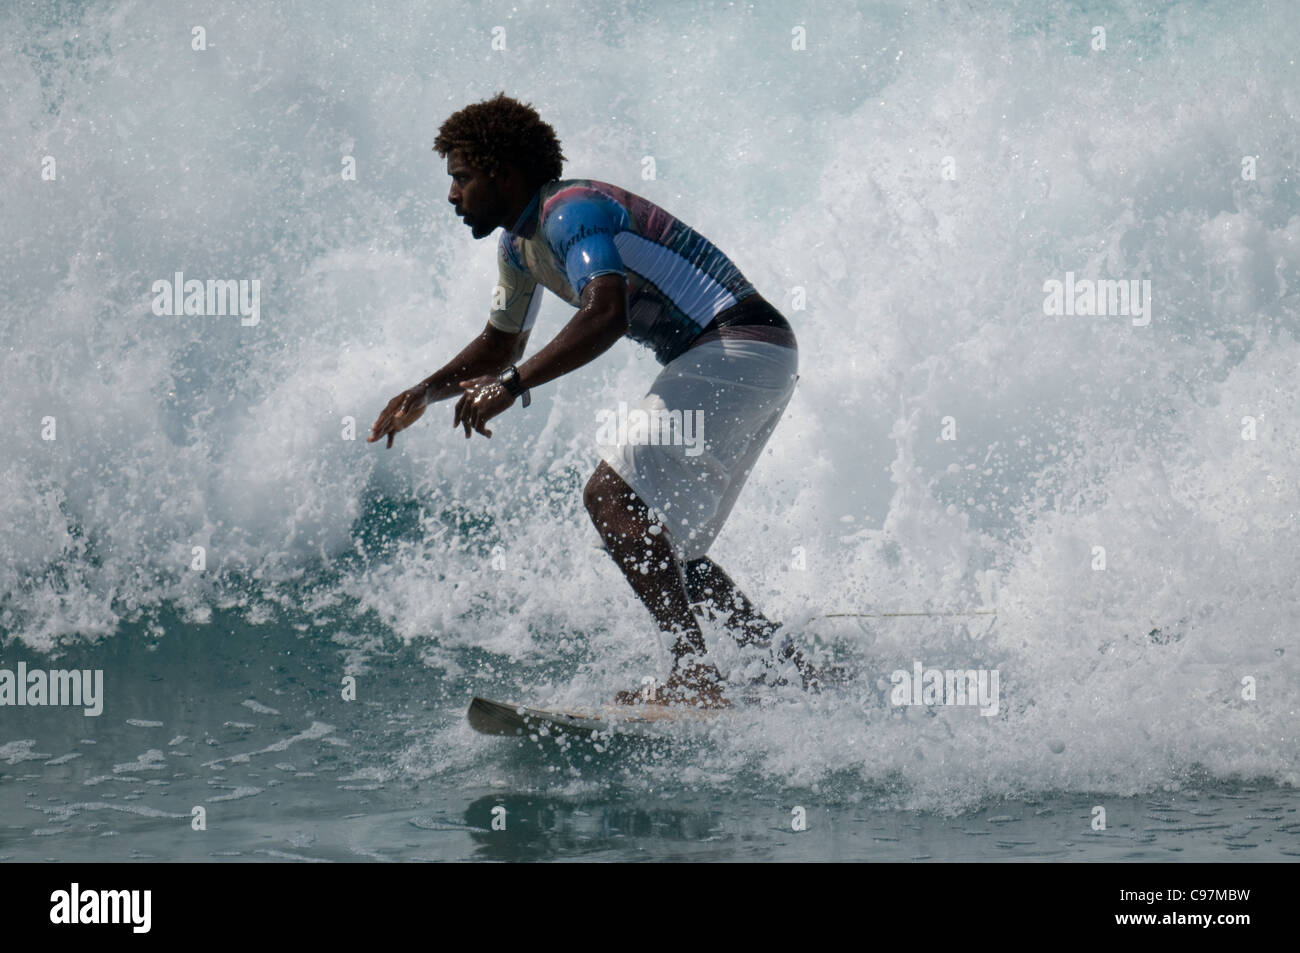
(502, 132)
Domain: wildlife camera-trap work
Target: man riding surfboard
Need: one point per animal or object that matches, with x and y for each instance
(730, 361)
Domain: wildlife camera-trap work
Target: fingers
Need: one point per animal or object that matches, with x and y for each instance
(469, 414)
(473, 419)
(389, 422)
(386, 425)
(464, 408)
(380, 426)
(381, 429)
(479, 422)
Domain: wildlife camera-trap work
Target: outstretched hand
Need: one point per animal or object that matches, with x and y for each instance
(402, 411)
(484, 398)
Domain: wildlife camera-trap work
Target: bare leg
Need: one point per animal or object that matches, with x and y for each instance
(706, 582)
(641, 550)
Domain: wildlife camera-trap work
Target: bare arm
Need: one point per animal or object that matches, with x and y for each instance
(600, 321)
(488, 353)
(591, 332)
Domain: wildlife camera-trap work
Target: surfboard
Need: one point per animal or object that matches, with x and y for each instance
(508, 718)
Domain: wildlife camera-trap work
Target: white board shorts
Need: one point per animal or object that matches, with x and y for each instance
(689, 470)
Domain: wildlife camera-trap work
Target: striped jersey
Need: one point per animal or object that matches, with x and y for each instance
(577, 229)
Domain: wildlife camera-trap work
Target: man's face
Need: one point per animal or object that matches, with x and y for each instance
(475, 196)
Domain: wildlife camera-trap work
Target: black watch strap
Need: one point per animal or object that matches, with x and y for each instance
(509, 379)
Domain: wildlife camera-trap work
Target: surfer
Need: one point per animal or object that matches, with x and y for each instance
(730, 362)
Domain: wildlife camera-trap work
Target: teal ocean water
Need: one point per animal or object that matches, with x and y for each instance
(290, 622)
(249, 728)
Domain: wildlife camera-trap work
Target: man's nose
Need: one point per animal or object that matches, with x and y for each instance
(454, 196)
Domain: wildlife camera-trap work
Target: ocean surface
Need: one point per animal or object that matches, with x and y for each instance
(290, 622)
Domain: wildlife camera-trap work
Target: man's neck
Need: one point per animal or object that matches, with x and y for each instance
(522, 209)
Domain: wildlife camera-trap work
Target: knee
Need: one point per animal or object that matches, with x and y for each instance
(615, 509)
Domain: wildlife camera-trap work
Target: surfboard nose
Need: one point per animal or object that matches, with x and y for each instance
(493, 718)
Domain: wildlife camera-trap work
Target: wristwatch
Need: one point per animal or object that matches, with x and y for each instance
(509, 379)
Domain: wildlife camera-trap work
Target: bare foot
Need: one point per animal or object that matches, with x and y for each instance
(699, 686)
(814, 678)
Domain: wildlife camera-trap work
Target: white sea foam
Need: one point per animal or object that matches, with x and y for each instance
(820, 169)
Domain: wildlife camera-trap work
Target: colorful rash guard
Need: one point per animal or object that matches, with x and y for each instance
(577, 229)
